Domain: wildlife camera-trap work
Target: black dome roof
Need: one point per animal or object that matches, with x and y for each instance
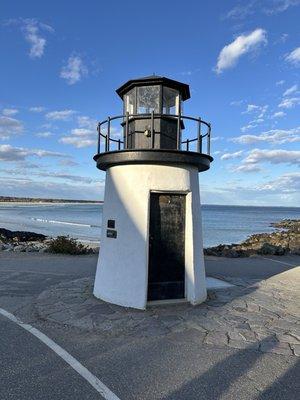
(183, 88)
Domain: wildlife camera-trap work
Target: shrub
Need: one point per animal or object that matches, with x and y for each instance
(67, 245)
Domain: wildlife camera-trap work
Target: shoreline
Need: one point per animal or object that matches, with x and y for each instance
(285, 239)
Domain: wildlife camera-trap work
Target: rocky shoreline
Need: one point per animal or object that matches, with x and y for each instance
(284, 240)
(30, 242)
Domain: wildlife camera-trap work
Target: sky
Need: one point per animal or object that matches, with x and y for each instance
(62, 61)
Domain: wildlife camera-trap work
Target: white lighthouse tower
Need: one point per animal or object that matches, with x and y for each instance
(151, 244)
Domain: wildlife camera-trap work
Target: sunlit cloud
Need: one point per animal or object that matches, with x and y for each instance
(243, 44)
(62, 115)
(74, 70)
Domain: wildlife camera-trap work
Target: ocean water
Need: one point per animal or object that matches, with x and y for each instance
(221, 224)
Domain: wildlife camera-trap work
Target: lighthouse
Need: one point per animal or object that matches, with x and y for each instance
(151, 246)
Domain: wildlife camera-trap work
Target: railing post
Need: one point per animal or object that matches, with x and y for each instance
(199, 138)
(108, 133)
(119, 144)
(187, 145)
(99, 132)
(208, 139)
(178, 131)
(126, 130)
(152, 130)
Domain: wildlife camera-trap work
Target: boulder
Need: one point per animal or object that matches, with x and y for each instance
(19, 248)
(20, 236)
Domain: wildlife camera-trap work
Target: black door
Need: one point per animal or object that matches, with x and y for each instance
(166, 246)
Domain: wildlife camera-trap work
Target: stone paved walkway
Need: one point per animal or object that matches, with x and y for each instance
(261, 315)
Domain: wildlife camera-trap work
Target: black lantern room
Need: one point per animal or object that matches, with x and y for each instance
(153, 129)
(157, 96)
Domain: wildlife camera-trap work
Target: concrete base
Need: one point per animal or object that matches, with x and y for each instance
(122, 270)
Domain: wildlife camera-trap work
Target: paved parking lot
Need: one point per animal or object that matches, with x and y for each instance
(165, 353)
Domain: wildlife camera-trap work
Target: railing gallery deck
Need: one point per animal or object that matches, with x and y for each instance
(184, 145)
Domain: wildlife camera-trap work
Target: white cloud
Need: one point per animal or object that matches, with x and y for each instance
(237, 102)
(274, 136)
(44, 134)
(68, 177)
(81, 137)
(24, 187)
(37, 109)
(87, 122)
(240, 11)
(289, 102)
(229, 156)
(10, 153)
(279, 83)
(32, 30)
(251, 107)
(269, 7)
(74, 70)
(258, 110)
(9, 111)
(37, 42)
(278, 114)
(278, 6)
(62, 115)
(248, 168)
(294, 57)
(86, 134)
(273, 156)
(243, 44)
(291, 90)
(9, 126)
(83, 132)
(216, 138)
(286, 183)
(283, 190)
(282, 39)
(77, 141)
(68, 163)
(248, 126)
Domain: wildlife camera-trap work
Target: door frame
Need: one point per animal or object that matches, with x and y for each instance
(187, 194)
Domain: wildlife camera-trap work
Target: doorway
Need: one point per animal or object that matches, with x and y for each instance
(166, 272)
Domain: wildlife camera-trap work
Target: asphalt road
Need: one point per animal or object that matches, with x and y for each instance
(175, 367)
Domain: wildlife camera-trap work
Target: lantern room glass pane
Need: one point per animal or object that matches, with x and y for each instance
(129, 101)
(170, 101)
(147, 99)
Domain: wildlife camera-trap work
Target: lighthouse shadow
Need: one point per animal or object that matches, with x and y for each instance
(247, 373)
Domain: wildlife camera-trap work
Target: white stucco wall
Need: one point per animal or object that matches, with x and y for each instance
(122, 270)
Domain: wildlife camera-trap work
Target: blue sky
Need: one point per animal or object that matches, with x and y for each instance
(61, 64)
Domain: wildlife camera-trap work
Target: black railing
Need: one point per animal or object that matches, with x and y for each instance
(123, 144)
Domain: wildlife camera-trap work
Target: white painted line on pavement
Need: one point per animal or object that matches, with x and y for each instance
(70, 360)
(280, 262)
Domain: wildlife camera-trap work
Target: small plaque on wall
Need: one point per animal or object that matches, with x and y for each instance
(111, 223)
(111, 233)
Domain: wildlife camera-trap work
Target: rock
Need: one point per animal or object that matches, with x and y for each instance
(230, 253)
(19, 249)
(268, 248)
(8, 247)
(20, 236)
(31, 249)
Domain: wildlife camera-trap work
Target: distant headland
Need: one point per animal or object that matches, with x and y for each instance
(10, 199)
